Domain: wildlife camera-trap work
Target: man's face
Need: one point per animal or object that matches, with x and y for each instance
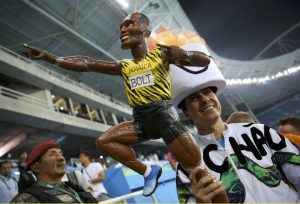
(203, 107)
(288, 129)
(52, 164)
(131, 31)
(23, 156)
(6, 169)
(83, 159)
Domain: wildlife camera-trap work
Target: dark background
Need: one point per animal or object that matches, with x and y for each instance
(241, 29)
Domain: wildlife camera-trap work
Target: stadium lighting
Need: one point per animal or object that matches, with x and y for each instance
(263, 80)
(123, 3)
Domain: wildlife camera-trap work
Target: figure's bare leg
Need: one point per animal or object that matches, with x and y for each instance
(187, 153)
(116, 143)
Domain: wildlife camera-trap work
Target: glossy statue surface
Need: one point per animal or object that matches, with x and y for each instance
(153, 66)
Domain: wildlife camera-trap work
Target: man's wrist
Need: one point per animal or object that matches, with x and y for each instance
(94, 181)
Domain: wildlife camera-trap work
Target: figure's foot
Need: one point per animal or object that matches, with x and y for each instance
(151, 180)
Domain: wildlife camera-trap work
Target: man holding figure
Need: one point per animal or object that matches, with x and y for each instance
(147, 83)
(253, 162)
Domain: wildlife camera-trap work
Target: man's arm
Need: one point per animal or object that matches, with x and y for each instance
(287, 159)
(190, 190)
(76, 63)
(177, 55)
(100, 178)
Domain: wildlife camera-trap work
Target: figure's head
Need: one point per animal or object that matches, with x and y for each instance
(47, 161)
(5, 168)
(135, 28)
(85, 158)
(240, 117)
(290, 125)
(194, 89)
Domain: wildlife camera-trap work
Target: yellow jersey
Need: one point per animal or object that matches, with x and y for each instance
(146, 80)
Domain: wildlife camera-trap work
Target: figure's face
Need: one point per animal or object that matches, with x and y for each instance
(203, 107)
(6, 169)
(52, 164)
(288, 129)
(131, 31)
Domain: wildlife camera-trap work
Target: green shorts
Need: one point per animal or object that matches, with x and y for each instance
(158, 119)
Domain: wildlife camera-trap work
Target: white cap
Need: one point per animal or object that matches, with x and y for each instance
(188, 79)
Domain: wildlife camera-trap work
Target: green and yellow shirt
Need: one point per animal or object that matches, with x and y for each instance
(147, 80)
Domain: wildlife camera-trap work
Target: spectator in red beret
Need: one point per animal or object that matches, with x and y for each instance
(38, 152)
(49, 166)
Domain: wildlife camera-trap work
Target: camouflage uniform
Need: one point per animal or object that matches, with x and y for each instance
(53, 194)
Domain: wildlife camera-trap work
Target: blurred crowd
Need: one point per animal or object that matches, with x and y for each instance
(45, 168)
(42, 176)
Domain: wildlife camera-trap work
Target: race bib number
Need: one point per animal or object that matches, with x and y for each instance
(141, 80)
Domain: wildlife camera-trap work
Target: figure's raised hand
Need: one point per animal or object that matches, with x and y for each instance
(173, 52)
(35, 53)
(183, 57)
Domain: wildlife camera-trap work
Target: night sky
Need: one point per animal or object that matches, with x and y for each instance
(239, 29)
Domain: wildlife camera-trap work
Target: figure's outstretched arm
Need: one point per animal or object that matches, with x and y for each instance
(177, 55)
(76, 63)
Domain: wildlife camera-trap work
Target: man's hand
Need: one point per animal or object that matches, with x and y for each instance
(174, 53)
(206, 188)
(35, 53)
